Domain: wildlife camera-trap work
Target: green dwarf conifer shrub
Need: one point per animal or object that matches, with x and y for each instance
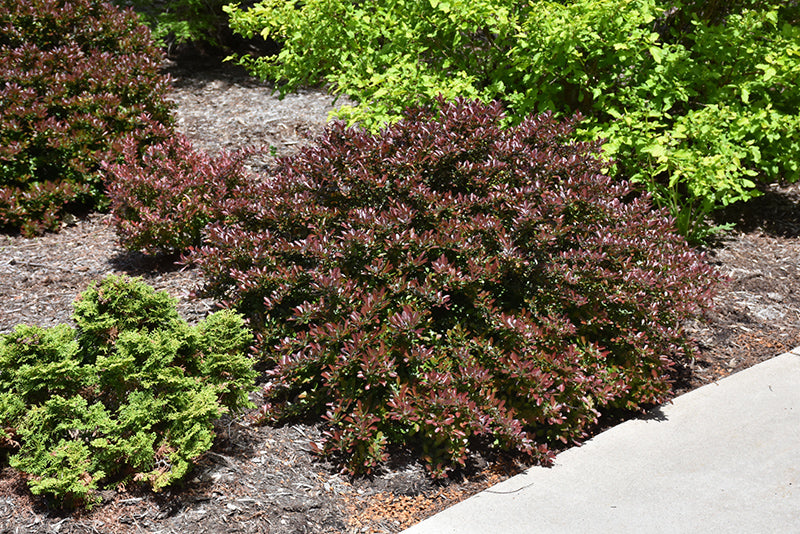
(75, 76)
(129, 396)
(163, 196)
(448, 283)
(697, 99)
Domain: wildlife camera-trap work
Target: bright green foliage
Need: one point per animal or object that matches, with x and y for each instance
(131, 395)
(698, 100)
(384, 54)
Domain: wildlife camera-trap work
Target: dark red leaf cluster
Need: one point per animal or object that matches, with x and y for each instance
(164, 194)
(450, 282)
(75, 75)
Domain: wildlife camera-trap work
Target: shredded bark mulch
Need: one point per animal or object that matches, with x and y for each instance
(265, 479)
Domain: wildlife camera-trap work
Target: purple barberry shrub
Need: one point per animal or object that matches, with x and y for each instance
(450, 282)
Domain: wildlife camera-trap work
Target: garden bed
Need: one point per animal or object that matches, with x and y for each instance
(264, 479)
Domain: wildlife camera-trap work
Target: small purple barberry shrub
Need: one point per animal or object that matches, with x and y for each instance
(75, 77)
(164, 194)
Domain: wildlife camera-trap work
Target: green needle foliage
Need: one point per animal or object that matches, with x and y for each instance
(129, 396)
(698, 100)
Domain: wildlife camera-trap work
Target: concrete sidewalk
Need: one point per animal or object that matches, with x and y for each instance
(722, 458)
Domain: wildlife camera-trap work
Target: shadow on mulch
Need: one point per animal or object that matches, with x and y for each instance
(195, 64)
(776, 212)
(197, 71)
(140, 264)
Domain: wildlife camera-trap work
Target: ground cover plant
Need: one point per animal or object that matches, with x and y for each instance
(697, 99)
(130, 396)
(448, 283)
(75, 76)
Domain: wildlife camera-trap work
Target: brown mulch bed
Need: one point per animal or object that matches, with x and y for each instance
(265, 479)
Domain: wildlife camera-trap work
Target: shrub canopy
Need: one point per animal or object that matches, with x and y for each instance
(130, 396)
(182, 21)
(162, 196)
(449, 282)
